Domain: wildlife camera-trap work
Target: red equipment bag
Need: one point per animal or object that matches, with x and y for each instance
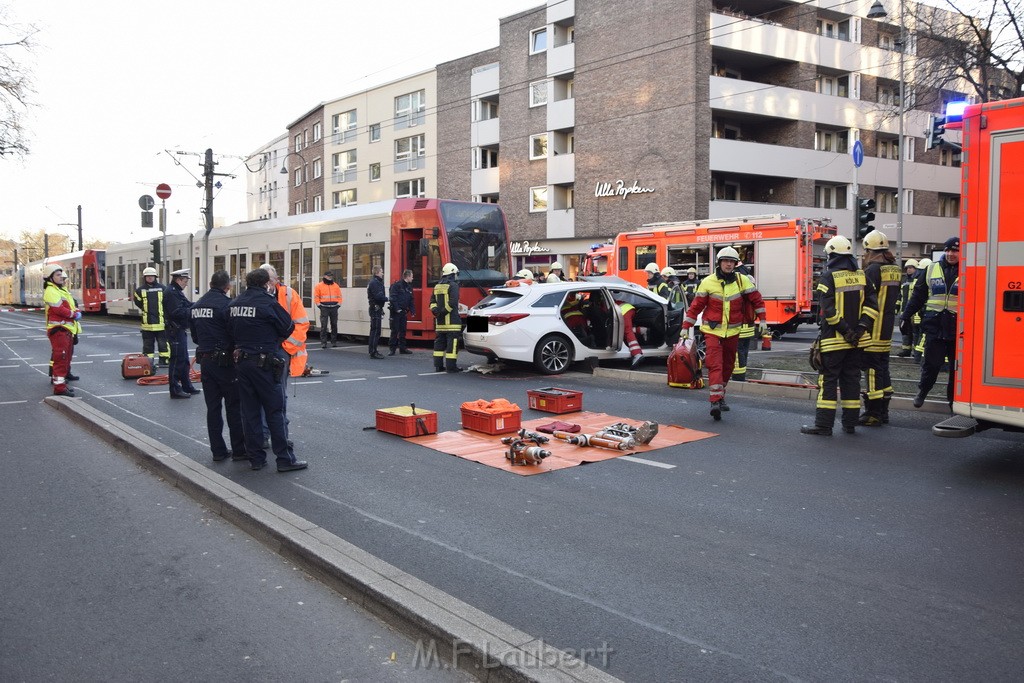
(136, 365)
(684, 366)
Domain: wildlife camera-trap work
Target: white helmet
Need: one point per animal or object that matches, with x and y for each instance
(50, 268)
(652, 268)
(911, 263)
(525, 273)
(729, 253)
(557, 265)
(838, 245)
(668, 271)
(149, 271)
(691, 271)
(924, 263)
(876, 241)
(450, 269)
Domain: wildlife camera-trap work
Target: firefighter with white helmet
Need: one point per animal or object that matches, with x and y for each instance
(883, 275)
(689, 284)
(655, 282)
(62, 327)
(847, 309)
(676, 297)
(724, 298)
(555, 272)
(908, 329)
(149, 298)
(444, 304)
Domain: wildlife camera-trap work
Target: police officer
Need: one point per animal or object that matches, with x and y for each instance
(847, 310)
(257, 325)
(444, 304)
(936, 293)
(402, 306)
(883, 276)
(176, 315)
(209, 327)
(376, 299)
(149, 298)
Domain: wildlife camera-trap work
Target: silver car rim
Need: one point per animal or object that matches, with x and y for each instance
(555, 355)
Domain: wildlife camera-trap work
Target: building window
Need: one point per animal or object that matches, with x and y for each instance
(832, 141)
(834, 29)
(888, 149)
(298, 208)
(949, 205)
(344, 198)
(538, 40)
(374, 172)
(344, 125)
(885, 201)
(318, 203)
(317, 131)
(830, 196)
(485, 110)
(407, 148)
(949, 157)
(374, 132)
(298, 177)
(485, 157)
(833, 85)
(538, 93)
(539, 146)
(345, 166)
(409, 109)
(411, 188)
(298, 143)
(538, 199)
(318, 168)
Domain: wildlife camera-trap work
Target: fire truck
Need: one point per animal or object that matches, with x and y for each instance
(989, 383)
(791, 249)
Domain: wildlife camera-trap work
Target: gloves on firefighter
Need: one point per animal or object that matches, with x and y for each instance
(906, 327)
(762, 329)
(78, 315)
(853, 336)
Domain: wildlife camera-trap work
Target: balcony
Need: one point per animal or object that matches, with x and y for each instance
(561, 59)
(561, 223)
(562, 114)
(484, 181)
(484, 81)
(789, 45)
(559, 11)
(561, 169)
(483, 133)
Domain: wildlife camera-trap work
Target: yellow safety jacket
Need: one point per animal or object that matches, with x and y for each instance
(444, 304)
(60, 308)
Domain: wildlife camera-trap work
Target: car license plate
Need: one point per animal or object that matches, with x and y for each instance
(476, 323)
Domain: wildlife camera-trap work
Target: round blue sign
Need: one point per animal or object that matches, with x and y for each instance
(858, 154)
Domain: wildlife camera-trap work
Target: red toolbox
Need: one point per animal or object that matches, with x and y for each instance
(406, 421)
(555, 400)
(503, 422)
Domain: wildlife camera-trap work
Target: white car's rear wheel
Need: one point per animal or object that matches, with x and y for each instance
(553, 355)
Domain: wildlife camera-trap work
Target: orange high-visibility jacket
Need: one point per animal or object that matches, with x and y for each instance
(294, 345)
(326, 294)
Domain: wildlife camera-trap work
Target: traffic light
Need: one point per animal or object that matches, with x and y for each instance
(936, 128)
(865, 214)
(155, 250)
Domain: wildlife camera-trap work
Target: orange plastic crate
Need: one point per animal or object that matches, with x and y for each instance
(555, 400)
(492, 423)
(403, 422)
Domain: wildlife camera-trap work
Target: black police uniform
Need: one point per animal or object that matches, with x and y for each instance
(402, 306)
(176, 314)
(258, 324)
(377, 298)
(209, 327)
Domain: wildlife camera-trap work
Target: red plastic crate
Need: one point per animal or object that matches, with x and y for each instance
(403, 422)
(492, 423)
(555, 400)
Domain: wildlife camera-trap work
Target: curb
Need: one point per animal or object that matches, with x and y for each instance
(462, 636)
(757, 388)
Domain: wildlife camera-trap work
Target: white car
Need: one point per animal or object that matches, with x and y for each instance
(553, 325)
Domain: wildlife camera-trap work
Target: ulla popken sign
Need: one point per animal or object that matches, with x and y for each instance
(620, 189)
(524, 248)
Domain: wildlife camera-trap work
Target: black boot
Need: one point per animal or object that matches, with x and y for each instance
(716, 410)
(823, 419)
(816, 430)
(885, 409)
(919, 399)
(872, 415)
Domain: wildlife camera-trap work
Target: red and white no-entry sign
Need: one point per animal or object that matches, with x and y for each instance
(163, 190)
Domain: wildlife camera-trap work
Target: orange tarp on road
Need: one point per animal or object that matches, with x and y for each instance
(487, 449)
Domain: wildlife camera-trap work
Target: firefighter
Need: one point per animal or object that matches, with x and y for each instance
(907, 329)
(847, 310)
(523, 277)
(444, 304)
(62, 327)
(149, 298)
(327, 298)
(208, 323)
(629, 333)
(676, 297)
(258, 324)
(575, 318)
(883, 277)
(176, 315)
(936, 293)
(555, 273)
(655, 282)
(722, 297)
(690, 284)
(739, 370)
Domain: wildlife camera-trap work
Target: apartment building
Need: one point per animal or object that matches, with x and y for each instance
(594, 116)
(266, 190)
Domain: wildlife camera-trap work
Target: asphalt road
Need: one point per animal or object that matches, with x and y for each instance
(759, 554)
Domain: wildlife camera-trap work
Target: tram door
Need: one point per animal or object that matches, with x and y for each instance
(237, 267)
(300, 271)
(412, 259)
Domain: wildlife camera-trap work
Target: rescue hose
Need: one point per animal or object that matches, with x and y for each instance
(156, 380)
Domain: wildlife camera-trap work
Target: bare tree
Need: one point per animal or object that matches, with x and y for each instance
(16, 91)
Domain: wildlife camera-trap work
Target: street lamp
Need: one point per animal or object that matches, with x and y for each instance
(305, 180)
(877, 11)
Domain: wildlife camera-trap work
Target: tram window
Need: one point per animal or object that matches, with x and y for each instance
(364, 258)
(90, 277)
(276, 260)
(335, 259)
(218, 263)
(258, 259)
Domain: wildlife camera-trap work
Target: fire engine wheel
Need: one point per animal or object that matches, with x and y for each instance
(553, 355)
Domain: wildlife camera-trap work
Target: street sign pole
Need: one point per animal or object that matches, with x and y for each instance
(857, 152)
(163, 191)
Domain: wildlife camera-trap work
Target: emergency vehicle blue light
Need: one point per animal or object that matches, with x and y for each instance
(955, 111)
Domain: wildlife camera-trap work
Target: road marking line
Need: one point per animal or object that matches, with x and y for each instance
(314, 381)
(633, 458)
(392, 376)
(354, 379)
(112, 360)
(10, 366)
(114, 395)
(82, 362)
(97, 355)
(162, 391)
(12, 340)
(7, 403)
(424, 374)
(39, 365)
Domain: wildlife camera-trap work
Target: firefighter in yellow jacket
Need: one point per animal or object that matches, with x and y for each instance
(444, 304)
(847, 309)
(883, 276)
(62, 326)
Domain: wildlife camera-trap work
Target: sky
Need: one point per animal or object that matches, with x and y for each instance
(118, 82)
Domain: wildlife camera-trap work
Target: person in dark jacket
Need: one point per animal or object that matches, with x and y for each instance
(176, 315)
(655, 282)
(883, 276)
(444, 305)
(936, 295)
(376, 297)
(402, 305)
(149, 299)
(847, 310)
(210, 334)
